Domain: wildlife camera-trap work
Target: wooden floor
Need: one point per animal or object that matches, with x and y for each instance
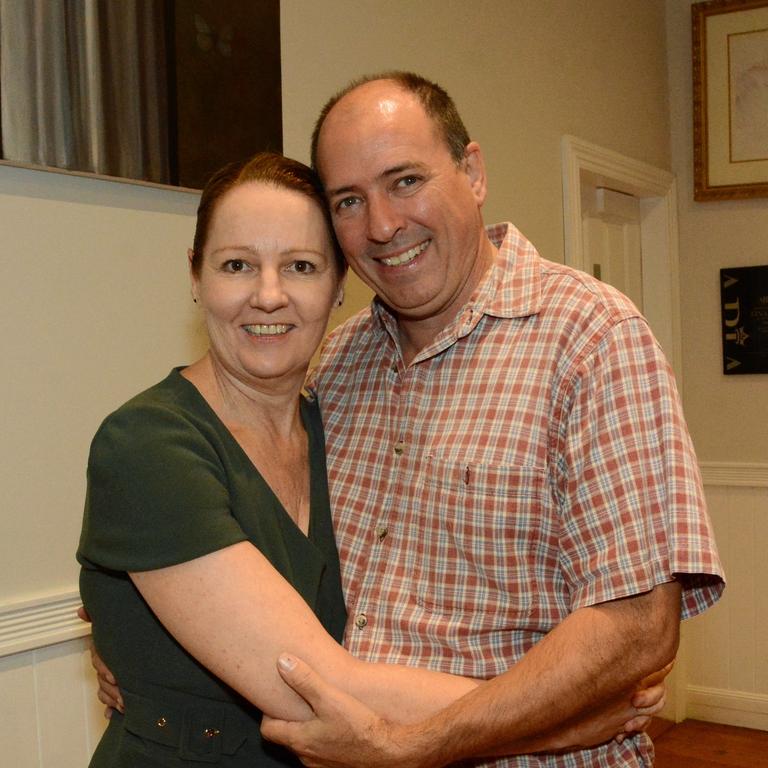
(695, 744)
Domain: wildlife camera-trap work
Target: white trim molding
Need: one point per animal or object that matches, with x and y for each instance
(29, 624)
(715, 705)
(588, 164)
(734, 474)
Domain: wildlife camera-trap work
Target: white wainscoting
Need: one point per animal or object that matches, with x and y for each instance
(727, 648)
(49, 714)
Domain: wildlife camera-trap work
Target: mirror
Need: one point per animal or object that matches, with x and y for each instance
(161, 91)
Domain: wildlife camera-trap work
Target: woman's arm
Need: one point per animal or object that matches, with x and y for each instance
(235, 614)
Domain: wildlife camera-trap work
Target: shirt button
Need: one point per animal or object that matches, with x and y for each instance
(361, 620)
(381, 532)
(399, 447)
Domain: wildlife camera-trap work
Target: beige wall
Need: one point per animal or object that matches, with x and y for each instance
(522, 73)
(95, 307)
(727, 414)
(727, 648)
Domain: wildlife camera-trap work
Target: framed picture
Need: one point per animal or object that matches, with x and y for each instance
(744, 312)
(730, 99)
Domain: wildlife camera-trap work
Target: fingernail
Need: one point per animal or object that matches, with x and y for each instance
(121, 706)
(286, 662)
(111, 679)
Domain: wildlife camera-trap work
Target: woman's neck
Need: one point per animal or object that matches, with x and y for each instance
(272, 405)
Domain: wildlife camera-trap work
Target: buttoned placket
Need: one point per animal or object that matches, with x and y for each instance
(399, 379)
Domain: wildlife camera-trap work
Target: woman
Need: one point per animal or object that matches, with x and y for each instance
(207, 540)
(207, 546)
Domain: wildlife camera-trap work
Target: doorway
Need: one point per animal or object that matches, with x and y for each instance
(621, 226)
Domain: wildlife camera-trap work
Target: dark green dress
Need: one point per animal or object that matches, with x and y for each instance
(167, 483)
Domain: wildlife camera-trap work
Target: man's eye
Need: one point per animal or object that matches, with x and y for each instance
(346, 202)
(407, 181)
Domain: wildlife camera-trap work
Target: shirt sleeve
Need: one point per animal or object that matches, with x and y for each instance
(157, 493)
(634, 513)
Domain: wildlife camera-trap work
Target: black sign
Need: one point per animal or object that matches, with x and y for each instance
(744, 305)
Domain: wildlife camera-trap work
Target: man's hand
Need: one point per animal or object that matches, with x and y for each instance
(108, 692)
(616, 719)
(649, 700)
(343, 734)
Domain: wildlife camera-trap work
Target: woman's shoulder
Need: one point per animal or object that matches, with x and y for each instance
(172, 405)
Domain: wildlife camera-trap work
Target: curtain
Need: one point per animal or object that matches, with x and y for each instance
(83, 85)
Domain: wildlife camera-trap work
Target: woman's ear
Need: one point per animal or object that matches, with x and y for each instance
(192, 276)
(340, 293)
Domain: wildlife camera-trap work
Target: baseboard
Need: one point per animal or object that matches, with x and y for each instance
(734, 474)
(29, 624)
(715, 705)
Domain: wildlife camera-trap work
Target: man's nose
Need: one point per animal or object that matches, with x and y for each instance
(384, 219)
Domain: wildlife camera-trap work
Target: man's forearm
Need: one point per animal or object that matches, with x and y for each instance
(594, 655)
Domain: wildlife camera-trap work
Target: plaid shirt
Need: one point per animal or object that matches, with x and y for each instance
(532, 460)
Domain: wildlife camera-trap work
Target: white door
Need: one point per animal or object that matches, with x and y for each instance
(611, 239)
(620, 219)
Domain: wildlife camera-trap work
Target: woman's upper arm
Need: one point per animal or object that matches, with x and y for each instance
(235, 614)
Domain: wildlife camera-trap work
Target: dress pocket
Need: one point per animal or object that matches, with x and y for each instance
(488, 544)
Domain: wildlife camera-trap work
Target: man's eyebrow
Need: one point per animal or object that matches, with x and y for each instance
(385, 174)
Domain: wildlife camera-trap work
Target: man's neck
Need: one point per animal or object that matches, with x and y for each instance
(417, 334)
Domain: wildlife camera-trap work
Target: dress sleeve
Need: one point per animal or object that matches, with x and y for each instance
(632, 502)
(157, 493)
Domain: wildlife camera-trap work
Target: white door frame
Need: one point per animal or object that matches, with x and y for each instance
(656, 189)
(586, 163)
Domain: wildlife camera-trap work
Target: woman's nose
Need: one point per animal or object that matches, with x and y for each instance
(268, 292)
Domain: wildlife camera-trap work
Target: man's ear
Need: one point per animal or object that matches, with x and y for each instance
(474, 165)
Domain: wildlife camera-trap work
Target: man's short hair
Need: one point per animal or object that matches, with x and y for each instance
(436, 102)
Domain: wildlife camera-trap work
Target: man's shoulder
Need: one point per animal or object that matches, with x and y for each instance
(342, 352)
(347, 336)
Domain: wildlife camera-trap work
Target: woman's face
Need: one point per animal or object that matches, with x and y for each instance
(267, 283)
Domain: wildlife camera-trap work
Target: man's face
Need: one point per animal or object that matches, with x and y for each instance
(406, 215)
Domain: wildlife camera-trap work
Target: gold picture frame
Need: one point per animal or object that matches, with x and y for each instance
(730, 99)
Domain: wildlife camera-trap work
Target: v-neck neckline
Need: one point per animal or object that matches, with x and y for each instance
(311, 439)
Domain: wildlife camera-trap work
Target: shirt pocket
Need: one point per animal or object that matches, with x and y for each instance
(488, 548)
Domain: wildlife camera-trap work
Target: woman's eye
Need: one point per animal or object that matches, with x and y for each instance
(303, 267)
(234, 265)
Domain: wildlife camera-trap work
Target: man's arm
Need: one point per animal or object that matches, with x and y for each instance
(596, 654)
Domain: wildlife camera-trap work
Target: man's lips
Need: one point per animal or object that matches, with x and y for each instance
(405, 257)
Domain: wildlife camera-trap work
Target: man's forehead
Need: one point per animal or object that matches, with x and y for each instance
(378, 123)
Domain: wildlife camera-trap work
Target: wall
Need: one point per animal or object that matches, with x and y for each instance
(522, 74)
(727, 670)
(96, 307)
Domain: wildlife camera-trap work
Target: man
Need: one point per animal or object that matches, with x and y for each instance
(515, 491)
